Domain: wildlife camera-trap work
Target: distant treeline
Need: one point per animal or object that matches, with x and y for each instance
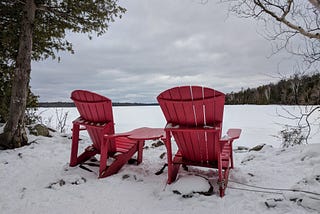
(71, 104)
(297, 90)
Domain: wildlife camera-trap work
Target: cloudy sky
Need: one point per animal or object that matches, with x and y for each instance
(159, 44)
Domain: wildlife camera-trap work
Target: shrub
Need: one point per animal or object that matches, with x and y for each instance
(292, 136)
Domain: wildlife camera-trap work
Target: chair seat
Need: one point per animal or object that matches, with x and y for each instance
(123, 144)
(84, 122)
(179, 159)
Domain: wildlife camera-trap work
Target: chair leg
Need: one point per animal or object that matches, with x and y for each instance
(117, 164)
(140, 151)
(169, 158)
(103, 157)
(231, 155)
(221, 180)
(221, 190)
(224, 183)
(74, 145)
(175, 170)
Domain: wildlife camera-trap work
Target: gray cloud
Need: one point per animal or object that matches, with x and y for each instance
(161, 44)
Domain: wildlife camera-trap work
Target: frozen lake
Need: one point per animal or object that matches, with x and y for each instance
(256, 121)
(272, 180)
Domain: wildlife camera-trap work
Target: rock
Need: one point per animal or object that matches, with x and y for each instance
(157, 144)
(40, 130)
(242, 148)
(257, 148)
(272, 202)
(163, 155)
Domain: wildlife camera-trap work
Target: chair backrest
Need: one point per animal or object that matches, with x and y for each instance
(92, 107)
(194, 107)
(97, 109)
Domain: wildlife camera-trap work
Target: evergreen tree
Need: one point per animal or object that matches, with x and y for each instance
(36, 30)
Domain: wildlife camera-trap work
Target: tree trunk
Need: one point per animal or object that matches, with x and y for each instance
(316, 3)
(14, 131)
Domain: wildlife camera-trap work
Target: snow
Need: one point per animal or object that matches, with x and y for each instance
(38, 179)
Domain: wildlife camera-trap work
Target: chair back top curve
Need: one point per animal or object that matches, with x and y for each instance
(194, 107)
(93, 107)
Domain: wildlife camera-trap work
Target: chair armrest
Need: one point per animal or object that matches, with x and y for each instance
(234, 133)
(231, 135)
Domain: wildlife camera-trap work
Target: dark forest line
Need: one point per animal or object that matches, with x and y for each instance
(71, 104)
(296, 90)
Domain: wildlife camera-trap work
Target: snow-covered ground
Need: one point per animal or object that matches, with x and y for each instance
(38, 179)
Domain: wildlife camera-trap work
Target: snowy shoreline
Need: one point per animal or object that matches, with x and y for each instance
(38, 179)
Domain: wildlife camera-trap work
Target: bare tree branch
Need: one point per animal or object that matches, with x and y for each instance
(316, 3)
(293, 25)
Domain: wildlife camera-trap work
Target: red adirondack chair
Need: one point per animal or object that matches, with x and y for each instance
(194, 118)
(96, 117)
